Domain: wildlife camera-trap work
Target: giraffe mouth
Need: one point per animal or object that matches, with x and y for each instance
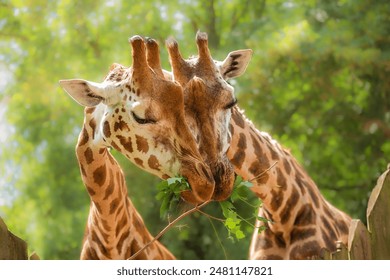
(201, 181)
(223, 173)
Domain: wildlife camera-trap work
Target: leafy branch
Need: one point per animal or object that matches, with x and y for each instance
(171, 224)
(169, 194)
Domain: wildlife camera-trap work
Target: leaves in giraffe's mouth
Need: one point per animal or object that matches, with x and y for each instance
(169, 194)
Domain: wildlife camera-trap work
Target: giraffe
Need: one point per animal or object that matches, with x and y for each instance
(208, 102)
(130, 112)
(301, 220)
(141, 114)
(115, 229)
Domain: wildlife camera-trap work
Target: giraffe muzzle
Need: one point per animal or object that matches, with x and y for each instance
(201, 181)
(223, 173)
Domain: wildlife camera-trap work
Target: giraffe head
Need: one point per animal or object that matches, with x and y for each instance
(141, 114)
(208, 102)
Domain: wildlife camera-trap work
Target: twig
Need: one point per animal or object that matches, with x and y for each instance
(246, 221)
(211, 217)
(262, 173)
(217, 236)
(170, 224)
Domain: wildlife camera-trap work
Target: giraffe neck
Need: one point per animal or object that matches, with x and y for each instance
(115, 229)
(303, 222)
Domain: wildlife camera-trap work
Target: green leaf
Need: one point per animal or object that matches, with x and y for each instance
(173, 180)
(262, 228)
(169, 194)
(247, 184)
(226, 207)
(239, 234)
(237, 181)
(164, 208)
(262, 219)
(231, 223)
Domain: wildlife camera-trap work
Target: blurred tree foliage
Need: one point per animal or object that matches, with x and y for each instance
(318, 81)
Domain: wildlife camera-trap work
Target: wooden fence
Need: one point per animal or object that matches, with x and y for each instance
(12, 247)
(373, 241)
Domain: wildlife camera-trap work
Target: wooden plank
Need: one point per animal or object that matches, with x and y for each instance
(359, 241)
(341, 252)
(378, 218)
(325, 254)
(11, 246)
(34, 257)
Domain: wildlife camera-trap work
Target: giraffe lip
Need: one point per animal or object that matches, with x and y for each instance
(202, 183)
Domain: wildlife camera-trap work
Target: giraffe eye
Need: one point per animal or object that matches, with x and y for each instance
(141, 120)
(231, 104)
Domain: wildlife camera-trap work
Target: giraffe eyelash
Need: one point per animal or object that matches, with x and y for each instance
(231, 104)
(141, 120)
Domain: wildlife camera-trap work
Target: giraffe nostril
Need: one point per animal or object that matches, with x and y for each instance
(203, 171)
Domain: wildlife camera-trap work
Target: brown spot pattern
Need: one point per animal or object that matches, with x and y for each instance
(121, 224)
(287, 166)
(120, 125)
(139, 162)
(91, 254)
(273, 257)
(305, 251)
(241, 142)
(299, 234)
(313, 195)
(153, 162)
(126, 143)
(306, 216)
(343, 227)
(135, 248)
(281, 180)
(329, 228)
(91, 191)
(99, 175)
(110, 187)
(88, 154)
(106, 129)
(238, 159)
(238, 118)
(83, 138)
(98, 207)
(105, 225)
(90, 110)
(329, 242)
(300, 183)
(277, 199)
(102, 248)
(122, 239)
(285, 214)
(279, 240)
(114, 205)
(142, 144)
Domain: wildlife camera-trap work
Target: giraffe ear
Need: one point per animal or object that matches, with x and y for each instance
(86, 93)
(235, 63)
